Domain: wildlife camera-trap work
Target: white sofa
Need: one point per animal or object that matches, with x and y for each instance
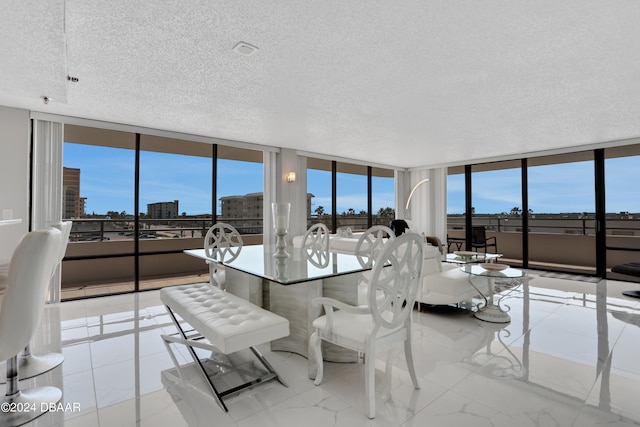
(442, 283)
(341, 243)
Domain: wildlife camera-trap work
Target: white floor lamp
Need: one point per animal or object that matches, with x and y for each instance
(415, 187)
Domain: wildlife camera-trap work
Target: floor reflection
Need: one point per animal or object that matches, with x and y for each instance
(568, 357)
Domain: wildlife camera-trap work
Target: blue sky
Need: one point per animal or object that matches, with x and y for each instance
(107, 180)
(562, 188)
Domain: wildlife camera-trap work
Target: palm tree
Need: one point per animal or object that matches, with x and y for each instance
(386, 212)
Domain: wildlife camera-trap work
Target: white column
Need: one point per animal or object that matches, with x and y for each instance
(46, 206)
(402, 190)
(293, 192)
(428, 207)
(419, 207)
(438, 225)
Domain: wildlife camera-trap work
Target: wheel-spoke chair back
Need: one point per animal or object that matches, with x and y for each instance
(222, 242)
(368, 248)
(395, 280)
(316, 244)
(371, 243)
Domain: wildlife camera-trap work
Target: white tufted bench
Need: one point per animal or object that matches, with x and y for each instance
(228, 322)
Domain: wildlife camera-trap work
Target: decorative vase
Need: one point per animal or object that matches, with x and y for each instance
(280, 213)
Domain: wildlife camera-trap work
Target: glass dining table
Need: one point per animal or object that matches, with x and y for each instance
(286, 286)
(299, 267)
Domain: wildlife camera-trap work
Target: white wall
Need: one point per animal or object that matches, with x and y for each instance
(15, 139)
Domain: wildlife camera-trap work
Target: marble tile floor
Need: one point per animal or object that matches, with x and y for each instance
(569, 357)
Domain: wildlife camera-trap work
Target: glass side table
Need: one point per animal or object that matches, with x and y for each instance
(491, 312)
(477, 257)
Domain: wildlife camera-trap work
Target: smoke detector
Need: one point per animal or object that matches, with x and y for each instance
(245, 49)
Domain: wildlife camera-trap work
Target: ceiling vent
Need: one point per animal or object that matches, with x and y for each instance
(245, 49)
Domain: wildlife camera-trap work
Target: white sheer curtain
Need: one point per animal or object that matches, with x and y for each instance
(46, 208)
(269, 195)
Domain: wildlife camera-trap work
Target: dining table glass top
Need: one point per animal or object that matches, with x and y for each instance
(301, 265)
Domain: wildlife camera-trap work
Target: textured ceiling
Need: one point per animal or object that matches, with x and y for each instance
(404, 83)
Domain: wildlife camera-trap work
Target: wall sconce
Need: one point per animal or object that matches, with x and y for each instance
(291, 177)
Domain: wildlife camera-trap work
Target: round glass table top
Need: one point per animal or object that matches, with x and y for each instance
(479, 270)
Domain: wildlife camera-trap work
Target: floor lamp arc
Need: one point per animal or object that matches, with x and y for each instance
(413, 190)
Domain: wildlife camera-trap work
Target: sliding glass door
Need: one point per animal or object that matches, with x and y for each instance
(137, 201)
(497, 209)
(622, 172)
(98, 192)
(562, 212)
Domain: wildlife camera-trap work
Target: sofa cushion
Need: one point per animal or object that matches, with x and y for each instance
(450, 286)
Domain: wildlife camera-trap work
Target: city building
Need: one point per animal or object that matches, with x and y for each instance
(73, 202)
(163, 210)
(246, 211)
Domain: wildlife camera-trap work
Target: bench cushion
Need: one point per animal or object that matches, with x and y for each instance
(230, 323)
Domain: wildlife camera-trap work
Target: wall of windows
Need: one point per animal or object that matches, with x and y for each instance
(557, 222)
(363, 196)
(137, 201)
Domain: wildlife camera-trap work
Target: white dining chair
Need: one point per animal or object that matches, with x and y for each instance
(20, 315)
(367, 249)
(222, 242)
(316, 244)
(383, 324)
(32, 365)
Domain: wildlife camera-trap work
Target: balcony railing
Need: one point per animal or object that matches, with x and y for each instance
(566, 243)
(100, 229)
(102, 250)
(584, 226)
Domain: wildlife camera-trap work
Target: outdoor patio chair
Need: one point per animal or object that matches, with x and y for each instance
(479, 239)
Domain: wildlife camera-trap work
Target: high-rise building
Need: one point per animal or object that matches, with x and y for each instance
(163, 210)
(249, 209)
(73, 203)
